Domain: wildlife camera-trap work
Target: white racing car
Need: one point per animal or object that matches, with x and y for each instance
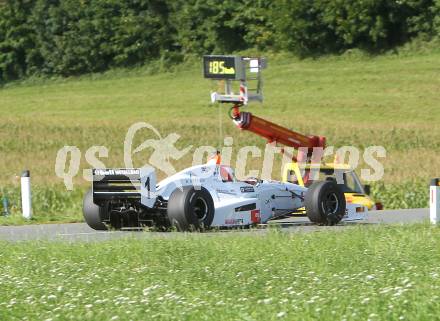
(205, 196)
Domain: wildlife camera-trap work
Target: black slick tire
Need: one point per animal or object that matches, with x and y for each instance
(190, 208)
(92, 212)
(325, 203)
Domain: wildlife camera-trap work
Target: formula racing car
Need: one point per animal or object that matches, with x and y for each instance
(204, 196)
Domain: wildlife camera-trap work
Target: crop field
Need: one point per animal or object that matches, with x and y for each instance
(391, 100)
(360, 273)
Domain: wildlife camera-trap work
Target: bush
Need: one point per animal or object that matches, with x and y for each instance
(16, 39)
(70, 37)
(411, 194)
(49, 203)
(77, 37)
(221, 26)
(323, 26)
(73, 37)
(436, 22)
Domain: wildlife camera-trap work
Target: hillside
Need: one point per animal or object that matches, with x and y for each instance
(388, 100)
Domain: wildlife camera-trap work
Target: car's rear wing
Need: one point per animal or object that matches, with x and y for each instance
(123, 184)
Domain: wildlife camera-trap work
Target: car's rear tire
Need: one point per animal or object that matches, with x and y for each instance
(325, 203)
(190, 208)
(92, 212)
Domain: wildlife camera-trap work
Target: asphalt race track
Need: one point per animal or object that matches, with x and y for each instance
(81, 231)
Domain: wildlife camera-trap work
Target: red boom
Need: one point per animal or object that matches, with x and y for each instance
(275, 133)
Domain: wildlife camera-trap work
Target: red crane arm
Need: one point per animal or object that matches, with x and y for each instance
(275, 133)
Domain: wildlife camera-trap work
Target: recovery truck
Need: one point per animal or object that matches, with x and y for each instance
(305, 168)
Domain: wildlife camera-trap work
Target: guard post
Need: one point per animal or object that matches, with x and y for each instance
(26, 196)
(434, 201)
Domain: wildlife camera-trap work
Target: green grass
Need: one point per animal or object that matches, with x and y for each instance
(390, 100)
(51, 204)
(364, 272)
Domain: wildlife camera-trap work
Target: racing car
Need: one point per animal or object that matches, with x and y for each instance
(201, 197)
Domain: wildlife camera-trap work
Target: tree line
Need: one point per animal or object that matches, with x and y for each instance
(71, 37)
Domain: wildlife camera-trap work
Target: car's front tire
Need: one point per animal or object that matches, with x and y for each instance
(325, 203)
(190, 208)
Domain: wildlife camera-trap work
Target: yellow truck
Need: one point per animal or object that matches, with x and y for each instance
(354, 191)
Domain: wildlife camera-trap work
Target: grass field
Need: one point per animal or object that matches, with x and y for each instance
(390, 100)
(374, 273)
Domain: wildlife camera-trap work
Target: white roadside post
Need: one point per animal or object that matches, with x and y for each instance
(434, 201)
(26, 197)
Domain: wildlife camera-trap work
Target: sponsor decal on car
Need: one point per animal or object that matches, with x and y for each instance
(105, 172)
(247, 189)
(225, 191)
(255, 216)
(234, 221)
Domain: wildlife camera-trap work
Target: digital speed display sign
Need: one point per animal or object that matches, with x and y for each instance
(223, 67)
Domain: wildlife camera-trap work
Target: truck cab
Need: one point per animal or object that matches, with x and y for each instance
(354, 191)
